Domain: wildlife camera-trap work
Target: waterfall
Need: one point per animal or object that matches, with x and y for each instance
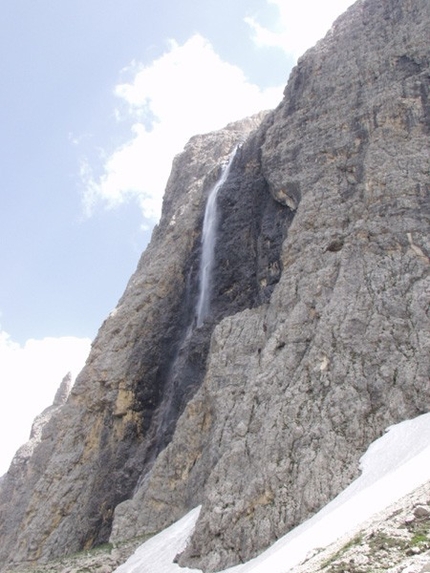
(184, 373)
(209, 231)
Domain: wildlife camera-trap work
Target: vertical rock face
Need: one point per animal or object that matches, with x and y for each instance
(318, 336)
(146, 362)
(296, 388)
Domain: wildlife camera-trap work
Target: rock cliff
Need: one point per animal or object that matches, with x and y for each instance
(318, 334)
(124, 405)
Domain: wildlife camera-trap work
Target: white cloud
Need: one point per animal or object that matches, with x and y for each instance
(300, 25)
(29, 378)
(188, 90)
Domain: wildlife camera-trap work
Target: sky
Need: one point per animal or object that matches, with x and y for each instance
(97, 97)
(393, 466)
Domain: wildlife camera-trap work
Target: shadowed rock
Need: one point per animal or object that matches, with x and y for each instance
(318, 333)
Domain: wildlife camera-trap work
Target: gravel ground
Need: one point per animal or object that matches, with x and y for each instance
(395, 540)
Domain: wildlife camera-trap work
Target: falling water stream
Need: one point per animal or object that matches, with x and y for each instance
(209, 231)
(183, 373)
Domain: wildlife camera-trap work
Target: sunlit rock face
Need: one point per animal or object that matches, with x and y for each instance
(318, 333)
(149, 356)
(298, 386)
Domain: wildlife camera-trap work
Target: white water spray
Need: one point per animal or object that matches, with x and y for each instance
(209, 231)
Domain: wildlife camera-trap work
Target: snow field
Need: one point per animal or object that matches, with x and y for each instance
(393, 466)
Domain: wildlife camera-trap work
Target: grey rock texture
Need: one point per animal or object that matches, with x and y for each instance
(395, 540)
(124, 405)
(25, 452)
(23, 474)
(247, 267)
(319, 332)
(101, 559)
(297, 388)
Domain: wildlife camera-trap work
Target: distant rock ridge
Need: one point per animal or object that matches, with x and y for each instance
(318, 336)
(25, 452)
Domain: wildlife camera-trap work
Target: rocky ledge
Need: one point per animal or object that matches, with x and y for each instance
(318, 333)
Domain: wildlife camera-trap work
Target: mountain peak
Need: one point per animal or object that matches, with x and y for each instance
(315, 337)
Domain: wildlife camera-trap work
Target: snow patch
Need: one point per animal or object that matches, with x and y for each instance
(157, 554)
(394, 465)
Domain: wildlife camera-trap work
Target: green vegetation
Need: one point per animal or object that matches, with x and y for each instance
(86, 560)
(419, 538)
(357, 540)
(381, 541)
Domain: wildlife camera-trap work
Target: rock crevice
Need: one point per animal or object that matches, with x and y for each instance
(318, 333)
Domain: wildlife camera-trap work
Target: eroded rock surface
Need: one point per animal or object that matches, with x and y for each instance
(146, 362)
(319, 332)
(297, 388)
